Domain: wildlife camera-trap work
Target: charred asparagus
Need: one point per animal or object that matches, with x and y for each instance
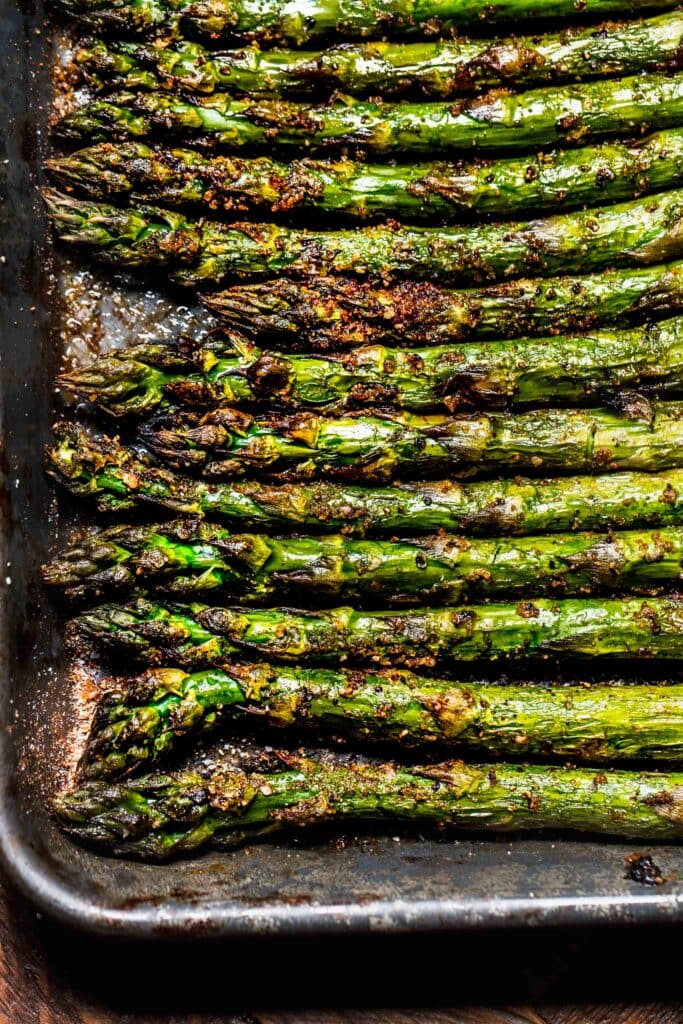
(438, 70)
(160, 816)
(196, 635)
(278, 22)
(119, 478)
(193, 252)
(191, 557)
(378, 447)
(565, 179)
(498, 120)
(527, 372)
(138, 722)
(334, 312)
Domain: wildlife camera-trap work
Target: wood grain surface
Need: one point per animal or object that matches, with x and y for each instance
(49, 975)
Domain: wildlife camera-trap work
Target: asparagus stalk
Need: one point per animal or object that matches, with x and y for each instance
(566, 179)
(191, 557)
(437, 70)
(527, 372)
(191, 252)
(333, 312)
(378, 447)
(161, 816)
(498, 120)
(120, 479)
(138, 722)
(199, 635)
(278, 21)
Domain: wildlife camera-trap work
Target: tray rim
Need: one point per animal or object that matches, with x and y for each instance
(382, 917)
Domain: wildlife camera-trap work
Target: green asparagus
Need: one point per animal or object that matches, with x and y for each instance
(279, 21)
(193, 252)
(566, 179)
(192, 557)
(160, 816)
(528, 372)
(437, 70)
(379, 447)
(200, 635)
(137, 722)
(324, 313)
(120, 479)
(498, 120)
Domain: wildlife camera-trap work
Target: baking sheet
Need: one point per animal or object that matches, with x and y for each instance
(53, 310)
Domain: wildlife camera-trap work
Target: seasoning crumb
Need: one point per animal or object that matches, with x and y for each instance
(641, 868)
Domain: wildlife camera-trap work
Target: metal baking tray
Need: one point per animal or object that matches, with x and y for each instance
(374, 883)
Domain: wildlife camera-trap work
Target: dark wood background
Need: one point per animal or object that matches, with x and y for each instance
(49, 975)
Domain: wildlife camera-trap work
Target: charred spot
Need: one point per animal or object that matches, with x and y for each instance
(648, 617)
(527, 610)
(187, 392)
(533, 800)
(604, 176)
(183, 246)
(602, 456)
(373, 394)
(669, 495)
(641, 868)
(569, 123)
(270, 375)
(662, 799)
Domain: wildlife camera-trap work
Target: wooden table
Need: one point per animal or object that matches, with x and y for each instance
(52, 976)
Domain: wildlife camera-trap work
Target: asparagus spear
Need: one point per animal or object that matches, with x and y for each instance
(278, 21)
(191, 557)
(571, 114)
(191, 252)
(197, 634)
(527, 372)
(566, 179)
(161, 816)
(119, 479)
(439, 70)
(334, 312)
(377, 447)
(137, 722)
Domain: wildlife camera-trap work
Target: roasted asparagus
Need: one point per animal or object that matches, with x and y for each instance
(569, 370)
(119, 478)
(164, 815)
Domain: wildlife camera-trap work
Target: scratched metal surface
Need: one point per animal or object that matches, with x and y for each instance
(53, 312)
